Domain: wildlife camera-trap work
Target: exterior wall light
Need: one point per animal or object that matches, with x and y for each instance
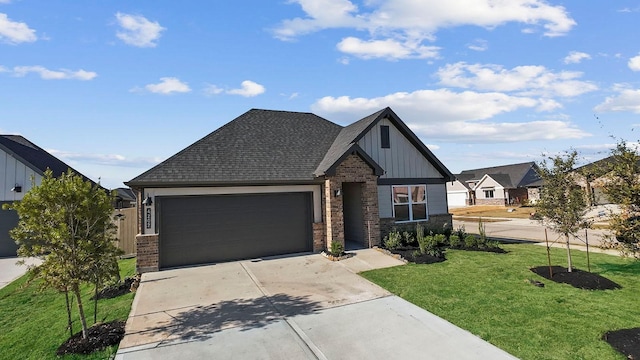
(147, 201)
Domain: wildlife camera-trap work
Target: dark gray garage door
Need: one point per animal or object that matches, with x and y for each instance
(8, 220)
(207, 229)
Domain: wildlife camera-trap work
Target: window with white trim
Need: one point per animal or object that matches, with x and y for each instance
(410, 202)
(488, 193)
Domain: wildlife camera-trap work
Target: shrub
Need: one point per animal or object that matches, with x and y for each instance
(461, 232)
(446, 230)
(470, 241)
(454, 241)
(392, 240)
(336, 248)
(408, 238)
(440, 239)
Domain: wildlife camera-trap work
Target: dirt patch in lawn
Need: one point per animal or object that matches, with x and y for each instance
(576, 278)
(626, 341)
(99, 337)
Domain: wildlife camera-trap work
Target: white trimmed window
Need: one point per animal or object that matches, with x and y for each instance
(409, 202)
(488, 193)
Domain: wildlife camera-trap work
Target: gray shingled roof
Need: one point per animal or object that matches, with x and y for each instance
(34, 157)
(259, 146)
(519, 175)
(267, 147)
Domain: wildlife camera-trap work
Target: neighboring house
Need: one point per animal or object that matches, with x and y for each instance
(277, 182)
(22, 164)
(124, 198)
(498, 185)
(592, 178)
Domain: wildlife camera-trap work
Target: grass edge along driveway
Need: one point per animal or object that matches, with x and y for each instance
(488, 295)
(33, 322)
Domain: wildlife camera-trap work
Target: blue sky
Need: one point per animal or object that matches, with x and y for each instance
(114, 87)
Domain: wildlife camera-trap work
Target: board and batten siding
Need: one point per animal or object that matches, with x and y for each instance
(13, 172)
(436, 200)
(402, 159)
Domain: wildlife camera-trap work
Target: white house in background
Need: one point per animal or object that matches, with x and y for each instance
(498, 185)
(20, 162)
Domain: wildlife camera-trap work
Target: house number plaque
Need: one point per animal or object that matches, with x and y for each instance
(148, 218)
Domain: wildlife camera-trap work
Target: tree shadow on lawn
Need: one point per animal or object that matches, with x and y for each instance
(630, 268)
(202, 322)
(576, 278)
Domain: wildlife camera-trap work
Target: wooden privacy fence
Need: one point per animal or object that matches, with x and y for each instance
(126, 229)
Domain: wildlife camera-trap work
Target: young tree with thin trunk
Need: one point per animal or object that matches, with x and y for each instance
(562, 204)
(622, 187)
(67, 222)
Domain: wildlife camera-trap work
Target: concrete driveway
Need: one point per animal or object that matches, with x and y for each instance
(297, 307)
(10, 270)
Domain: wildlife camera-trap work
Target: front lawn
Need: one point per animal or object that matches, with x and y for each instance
(33, 322)
(489, 295)
(491, 212)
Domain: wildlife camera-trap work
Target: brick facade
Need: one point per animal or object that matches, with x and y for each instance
(148, 256)
(352, 170)
(318, 237)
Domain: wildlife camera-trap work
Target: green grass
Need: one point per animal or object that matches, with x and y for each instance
(488, 295)
(33, 322)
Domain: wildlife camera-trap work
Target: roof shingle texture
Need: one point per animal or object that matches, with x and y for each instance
(514, 175)
(34, 156)
(260, 146)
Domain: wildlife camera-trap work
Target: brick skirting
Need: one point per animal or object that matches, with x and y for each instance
(147, 257)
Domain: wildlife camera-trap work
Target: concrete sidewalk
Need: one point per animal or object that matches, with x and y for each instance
(297, 307)
(9, 270)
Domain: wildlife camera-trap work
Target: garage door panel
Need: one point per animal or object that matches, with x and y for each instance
(206, 229)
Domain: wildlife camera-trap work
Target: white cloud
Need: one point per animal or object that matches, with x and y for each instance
(248, 89)
(138, 31)
(5, 1)
(211, 90)
(576, 57)
(461, 116)
(479, 45)
(104, 159)
(404, 21)
(634, 63)
(168, 85)
(46, 74)
(387, 49)
(626, 100)
(484, 132)
(440, 106)
(13, 32)
(433, 147)
(524, 80)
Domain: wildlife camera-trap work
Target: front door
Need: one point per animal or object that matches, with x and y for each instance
(352, 210)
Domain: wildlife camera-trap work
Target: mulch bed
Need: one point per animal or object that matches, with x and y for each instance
(576, 278)
(99, 337)
(626, 341)
(408, 254)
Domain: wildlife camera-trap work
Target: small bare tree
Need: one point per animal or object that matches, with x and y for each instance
(562, 204)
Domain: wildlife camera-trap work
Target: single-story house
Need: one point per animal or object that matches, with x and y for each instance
(20, 162)
(498, 185)
(278, 182)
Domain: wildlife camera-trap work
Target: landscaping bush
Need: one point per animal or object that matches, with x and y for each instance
(392, 240)
(454, 241)
(470, 241)
(408, 239)
(337, 248)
